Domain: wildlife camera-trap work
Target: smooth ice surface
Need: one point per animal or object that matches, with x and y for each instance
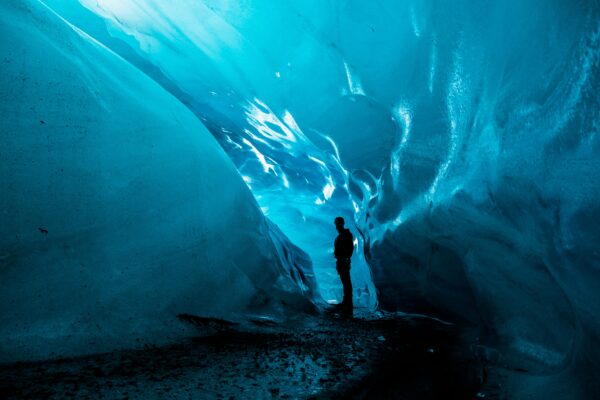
(461, 138)
(119, 209)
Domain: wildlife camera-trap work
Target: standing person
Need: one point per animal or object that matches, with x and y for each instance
(343, 249)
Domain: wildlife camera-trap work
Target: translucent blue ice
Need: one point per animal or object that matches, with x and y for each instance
(119, 209)
(460, 140)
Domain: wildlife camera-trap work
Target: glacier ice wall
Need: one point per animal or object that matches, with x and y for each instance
(300, 184)
(119, 209)
(462, 136)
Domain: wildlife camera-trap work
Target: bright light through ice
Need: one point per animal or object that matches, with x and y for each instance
(321, 163)
(353, 82)
(456, 94)
(328, 189)
(117, 7)
(403, 114)
(261, 158)
(291, 123)
(266, 123)
(285, 181)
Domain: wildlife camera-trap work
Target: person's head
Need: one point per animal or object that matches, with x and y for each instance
(339, 223)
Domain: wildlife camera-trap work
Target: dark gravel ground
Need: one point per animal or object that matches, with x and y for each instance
(329, 356)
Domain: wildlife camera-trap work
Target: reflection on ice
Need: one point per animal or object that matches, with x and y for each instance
(468, 164)
(354, 85)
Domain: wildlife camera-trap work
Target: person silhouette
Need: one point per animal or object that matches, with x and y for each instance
(343, 249)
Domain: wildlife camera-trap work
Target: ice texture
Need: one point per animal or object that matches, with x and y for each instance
(119, 210)
(459, 139)
(295, 175)
(461, 136)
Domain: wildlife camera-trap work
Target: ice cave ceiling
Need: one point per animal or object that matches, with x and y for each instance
(461, 139)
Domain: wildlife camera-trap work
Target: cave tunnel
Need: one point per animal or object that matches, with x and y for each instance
(187, 159)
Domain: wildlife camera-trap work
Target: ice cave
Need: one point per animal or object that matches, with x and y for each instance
(168, 158)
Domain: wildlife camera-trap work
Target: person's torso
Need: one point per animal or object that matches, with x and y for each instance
(343, 244)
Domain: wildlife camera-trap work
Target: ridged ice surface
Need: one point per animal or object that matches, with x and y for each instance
(461, 139)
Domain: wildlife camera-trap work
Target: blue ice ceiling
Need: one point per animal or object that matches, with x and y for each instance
(244, 89)
(460, 140)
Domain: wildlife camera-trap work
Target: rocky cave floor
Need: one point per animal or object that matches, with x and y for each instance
(333, 356)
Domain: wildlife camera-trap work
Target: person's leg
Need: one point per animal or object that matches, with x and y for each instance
(347, 283)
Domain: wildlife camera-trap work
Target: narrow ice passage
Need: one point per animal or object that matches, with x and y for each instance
(461, 138)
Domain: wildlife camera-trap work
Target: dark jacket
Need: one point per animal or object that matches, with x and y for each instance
(344, 245)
